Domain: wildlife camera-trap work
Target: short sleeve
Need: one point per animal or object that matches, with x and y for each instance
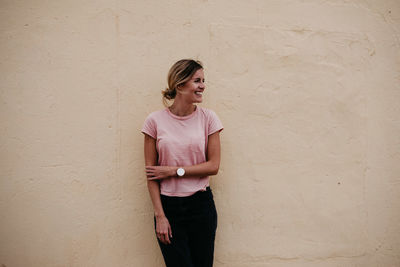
(149, 127)
(214, 123)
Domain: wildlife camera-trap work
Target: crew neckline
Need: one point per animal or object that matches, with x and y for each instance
(183, 117)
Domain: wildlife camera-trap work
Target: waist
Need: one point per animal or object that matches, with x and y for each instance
(178, 187)
(196, 195)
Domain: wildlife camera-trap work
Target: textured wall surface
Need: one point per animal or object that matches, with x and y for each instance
(308, 92)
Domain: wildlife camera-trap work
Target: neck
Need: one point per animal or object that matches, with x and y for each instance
(180, 108)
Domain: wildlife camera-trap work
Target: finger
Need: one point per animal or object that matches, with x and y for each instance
(162, 239)
(153, 178)
(167, 238)
(158, 235)
(170, 231)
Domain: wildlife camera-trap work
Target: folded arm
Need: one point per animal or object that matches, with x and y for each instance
(210, 167)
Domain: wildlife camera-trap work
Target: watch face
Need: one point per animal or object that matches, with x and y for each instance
(180, 172)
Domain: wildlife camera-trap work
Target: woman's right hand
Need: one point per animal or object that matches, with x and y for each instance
(163, 230)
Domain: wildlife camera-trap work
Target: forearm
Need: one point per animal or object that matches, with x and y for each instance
(202, 169)
(154, 190)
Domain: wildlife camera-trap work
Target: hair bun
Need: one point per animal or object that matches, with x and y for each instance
(168, 93)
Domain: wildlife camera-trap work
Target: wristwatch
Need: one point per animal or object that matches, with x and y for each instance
(180, 172)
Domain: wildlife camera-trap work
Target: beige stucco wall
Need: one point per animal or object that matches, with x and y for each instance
(308, 91)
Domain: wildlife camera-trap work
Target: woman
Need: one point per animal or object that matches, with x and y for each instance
(182, 148)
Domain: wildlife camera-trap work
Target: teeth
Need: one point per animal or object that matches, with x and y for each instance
(198, 93)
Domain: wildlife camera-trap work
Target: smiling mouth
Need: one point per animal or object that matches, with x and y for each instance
(198, 93)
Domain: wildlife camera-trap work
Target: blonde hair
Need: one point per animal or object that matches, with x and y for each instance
(181, 72)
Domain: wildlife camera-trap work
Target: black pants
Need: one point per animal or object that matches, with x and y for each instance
(193, 221)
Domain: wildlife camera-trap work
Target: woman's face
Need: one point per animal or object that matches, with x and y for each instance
(192, 90)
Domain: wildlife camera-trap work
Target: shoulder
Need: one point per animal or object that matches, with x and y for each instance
(152, 122)
(214, 124)
(207, 112)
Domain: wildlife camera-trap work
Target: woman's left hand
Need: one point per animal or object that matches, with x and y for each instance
(159, 172)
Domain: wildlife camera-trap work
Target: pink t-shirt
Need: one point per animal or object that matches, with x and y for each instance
(182, 141)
